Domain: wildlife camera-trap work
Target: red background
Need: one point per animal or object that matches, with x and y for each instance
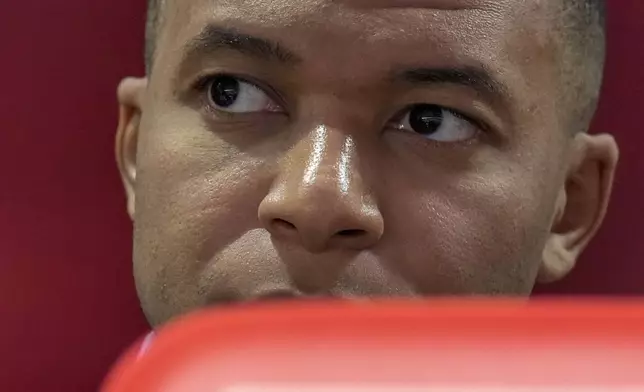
(67, 302)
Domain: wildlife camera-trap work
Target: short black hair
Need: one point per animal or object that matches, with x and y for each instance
(582, 27)
(152, 25)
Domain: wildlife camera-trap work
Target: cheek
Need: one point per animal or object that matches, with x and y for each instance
(478, 235)
(194, 195)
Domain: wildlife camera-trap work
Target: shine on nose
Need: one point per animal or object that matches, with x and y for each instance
(319, 199)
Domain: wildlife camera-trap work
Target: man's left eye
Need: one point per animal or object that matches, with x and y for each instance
(233, 95)
(437, 123)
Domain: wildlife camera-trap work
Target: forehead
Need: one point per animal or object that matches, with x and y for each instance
(474, 27)
(293, 10)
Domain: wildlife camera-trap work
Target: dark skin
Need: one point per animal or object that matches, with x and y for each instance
(353, 148)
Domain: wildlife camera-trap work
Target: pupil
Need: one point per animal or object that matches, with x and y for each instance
(224, 91)
(426, 119)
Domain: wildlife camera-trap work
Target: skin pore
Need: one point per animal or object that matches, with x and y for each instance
(355, 149)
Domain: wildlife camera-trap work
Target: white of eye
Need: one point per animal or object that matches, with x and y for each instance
(437, 123)
(230, 94)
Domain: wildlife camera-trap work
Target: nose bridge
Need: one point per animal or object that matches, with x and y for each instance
(329, 163)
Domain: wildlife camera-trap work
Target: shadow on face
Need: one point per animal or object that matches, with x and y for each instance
(353, 149)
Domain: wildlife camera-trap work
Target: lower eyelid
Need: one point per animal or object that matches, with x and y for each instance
(277, 105)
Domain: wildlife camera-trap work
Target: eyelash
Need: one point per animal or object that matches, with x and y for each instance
(456, 113)
(201, 84)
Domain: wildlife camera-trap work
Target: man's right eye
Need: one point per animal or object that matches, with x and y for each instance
(233, 95)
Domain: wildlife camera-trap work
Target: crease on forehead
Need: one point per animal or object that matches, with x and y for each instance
(287, 12)
(485, 32)
(366, 24)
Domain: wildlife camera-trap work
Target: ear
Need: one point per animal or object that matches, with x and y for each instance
(581, 205)
(130, 97)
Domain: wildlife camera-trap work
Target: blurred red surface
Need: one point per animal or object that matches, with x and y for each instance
(67, 301)
(402, 346)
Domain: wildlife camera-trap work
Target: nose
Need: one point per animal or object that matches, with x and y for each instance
(320, 199)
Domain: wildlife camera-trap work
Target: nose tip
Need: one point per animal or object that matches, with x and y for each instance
(320, 197)
(323, 225)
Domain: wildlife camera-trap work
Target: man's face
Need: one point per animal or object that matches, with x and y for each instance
(349, 148)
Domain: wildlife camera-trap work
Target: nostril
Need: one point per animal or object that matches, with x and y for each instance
(351, 233)
(282, 224)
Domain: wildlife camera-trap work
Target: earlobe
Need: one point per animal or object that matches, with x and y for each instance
(581, 205)
(130, 97)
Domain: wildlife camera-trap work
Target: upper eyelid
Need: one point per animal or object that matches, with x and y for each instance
(201, 83)
(459, 114)
(203, 80)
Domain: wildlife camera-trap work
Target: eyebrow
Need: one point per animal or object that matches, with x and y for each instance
(215, 38)
(476, 78)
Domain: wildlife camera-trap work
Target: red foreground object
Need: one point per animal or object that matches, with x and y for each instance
(454, 346)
